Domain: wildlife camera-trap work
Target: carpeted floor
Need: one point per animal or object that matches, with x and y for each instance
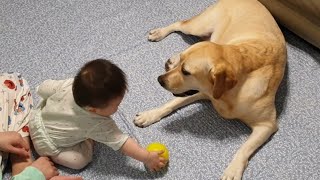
(52, 39)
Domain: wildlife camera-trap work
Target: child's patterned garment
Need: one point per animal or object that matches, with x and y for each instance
(15, 106)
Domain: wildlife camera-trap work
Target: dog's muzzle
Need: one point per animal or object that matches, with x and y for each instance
(187, 93)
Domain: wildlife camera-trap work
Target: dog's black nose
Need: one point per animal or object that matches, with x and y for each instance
(161, 82)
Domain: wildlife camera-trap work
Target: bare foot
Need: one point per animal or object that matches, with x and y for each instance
(46, 166)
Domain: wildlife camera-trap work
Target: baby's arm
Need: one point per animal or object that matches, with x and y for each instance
(152, 159)
(48, 87)
(108, 133)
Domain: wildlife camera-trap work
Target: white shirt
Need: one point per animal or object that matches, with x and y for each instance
(67, 124)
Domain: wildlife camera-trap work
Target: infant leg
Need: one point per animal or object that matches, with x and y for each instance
(76, 157)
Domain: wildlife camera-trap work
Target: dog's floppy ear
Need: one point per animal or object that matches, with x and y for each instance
(223, 79)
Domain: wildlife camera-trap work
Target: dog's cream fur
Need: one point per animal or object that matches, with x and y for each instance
(239, 69)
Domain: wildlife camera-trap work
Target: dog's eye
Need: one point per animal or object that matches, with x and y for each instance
(185, 72)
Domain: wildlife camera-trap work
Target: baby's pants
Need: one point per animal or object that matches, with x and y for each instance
(15, 106)
(76, 157)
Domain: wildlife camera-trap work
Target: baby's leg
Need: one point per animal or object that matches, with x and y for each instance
(20, 163)
(76, 157)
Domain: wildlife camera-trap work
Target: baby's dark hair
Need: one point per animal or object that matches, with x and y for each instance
(98, 82)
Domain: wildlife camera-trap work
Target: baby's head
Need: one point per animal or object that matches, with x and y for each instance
(99, 87)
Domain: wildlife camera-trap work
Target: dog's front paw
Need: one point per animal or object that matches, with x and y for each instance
(146, 118)
(156, 34)
(234, 171)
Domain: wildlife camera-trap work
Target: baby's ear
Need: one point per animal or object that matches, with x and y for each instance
(223, 79)
(91, 109)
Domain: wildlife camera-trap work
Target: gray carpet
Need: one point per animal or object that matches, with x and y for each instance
(52, 39)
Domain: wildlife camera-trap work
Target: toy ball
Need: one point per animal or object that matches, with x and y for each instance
(156, 146)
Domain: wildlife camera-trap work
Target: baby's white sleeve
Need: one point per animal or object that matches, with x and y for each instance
(108, 133)
(49, 87)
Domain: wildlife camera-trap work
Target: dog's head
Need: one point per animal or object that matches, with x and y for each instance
(202, 67)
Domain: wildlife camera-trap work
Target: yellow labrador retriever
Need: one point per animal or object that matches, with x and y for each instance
(238, 68)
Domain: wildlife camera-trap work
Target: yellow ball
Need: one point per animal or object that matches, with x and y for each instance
(156, 146)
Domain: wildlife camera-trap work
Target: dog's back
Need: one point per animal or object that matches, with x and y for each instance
(249, 19)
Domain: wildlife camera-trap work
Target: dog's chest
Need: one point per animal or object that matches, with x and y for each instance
(232, 109)
(241, 100)
(223, 110)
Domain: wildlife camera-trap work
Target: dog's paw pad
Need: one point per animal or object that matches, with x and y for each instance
(146, 118)
(156, 35)
(234, 171)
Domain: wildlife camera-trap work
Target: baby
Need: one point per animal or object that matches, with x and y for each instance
(76, 112)
(16, 103)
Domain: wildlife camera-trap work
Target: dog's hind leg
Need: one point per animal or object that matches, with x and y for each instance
(201, 25)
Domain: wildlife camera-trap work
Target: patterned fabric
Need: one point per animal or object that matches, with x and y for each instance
(15, 106)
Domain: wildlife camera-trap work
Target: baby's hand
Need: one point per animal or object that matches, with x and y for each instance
(154, 161)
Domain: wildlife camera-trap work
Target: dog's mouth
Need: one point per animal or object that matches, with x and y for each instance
(187, 93)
